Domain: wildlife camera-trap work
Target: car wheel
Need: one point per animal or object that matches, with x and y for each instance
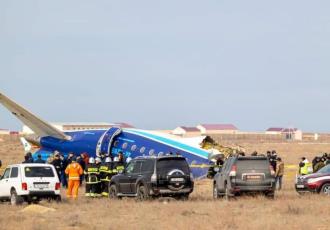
(58, 199)
(15, 199)
(228, 195)
(270, 195)
(183, 197)
(142, 193)
(113, 193)
(326, 189)
(215, 192)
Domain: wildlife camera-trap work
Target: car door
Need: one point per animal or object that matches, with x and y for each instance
(135, 175)
(5, 184)
(124, 179)
(222, 175)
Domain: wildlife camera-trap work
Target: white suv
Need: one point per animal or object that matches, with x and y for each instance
(30, 183)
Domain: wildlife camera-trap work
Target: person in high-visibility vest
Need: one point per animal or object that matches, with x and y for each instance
(92, 178)
(105, 176)
(74, 171)
(305, 167)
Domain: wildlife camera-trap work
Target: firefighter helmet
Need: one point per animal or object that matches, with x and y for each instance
(107, 160)
(91, 160)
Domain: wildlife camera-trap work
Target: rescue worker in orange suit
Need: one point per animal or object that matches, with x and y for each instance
(105, 176)
(91, 178)
(74, 171)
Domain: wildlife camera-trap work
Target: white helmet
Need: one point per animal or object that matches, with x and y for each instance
(91, 160)
(128, 159)
(98, 160)
(116, 159)
(107, 160)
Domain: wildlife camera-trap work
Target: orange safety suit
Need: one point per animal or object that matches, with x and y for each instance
(74, 170)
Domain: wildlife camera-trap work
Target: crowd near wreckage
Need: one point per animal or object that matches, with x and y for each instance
(121, 162)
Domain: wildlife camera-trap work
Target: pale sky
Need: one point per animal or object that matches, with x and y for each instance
(160, 64)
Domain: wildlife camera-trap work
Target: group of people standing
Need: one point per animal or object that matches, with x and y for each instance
(306, 167)
(73, 170)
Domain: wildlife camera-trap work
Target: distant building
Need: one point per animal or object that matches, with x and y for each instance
(207, 129)
(289, 133)
(184, 131)
(4, 132)
(76, 126)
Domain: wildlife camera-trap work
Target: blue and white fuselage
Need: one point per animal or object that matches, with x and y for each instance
(132, 142)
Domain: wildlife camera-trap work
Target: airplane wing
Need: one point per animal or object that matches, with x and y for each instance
(40, 127)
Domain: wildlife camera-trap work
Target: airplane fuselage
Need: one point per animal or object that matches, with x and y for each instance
(132, 142)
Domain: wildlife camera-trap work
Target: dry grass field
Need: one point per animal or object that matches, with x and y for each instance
(287, 211)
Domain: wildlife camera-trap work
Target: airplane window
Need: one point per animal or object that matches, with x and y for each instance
(142, 149)
(115, 144)
(124, 146)
(133, 148)
(160, 153)
(151, 152)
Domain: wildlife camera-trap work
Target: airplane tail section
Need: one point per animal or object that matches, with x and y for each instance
(40, 127)
(26, 145)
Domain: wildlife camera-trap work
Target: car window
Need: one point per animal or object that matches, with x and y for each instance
(166, 165)
(137, 167)
(6, 173)
(40, 171)
(253, 164)
(129, 167)
(134, 167)
(14, 172)
(147, 166)
(325, 169)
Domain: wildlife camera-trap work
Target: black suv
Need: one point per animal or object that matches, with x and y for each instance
(239, 174)
(153, 176)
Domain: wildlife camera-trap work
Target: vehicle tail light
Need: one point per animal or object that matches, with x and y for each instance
(191, 176)
(24, 186)
(57, 186)
(272, 172)
(154, 178)
(233, 170)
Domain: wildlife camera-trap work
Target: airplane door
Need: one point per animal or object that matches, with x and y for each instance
(105, 142)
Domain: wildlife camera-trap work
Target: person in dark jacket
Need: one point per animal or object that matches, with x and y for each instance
(26, 160)
(57, 164)
(215, 168)
(64, 164)
(318, 165)
(70, 157)
(39, 160)
(82, 163)
(29, 158)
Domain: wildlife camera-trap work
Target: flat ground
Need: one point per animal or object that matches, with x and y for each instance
(287, 211)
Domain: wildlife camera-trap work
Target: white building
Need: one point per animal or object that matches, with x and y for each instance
(184, 131)
(207, 129)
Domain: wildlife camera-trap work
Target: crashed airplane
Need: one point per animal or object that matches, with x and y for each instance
(132, 142)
